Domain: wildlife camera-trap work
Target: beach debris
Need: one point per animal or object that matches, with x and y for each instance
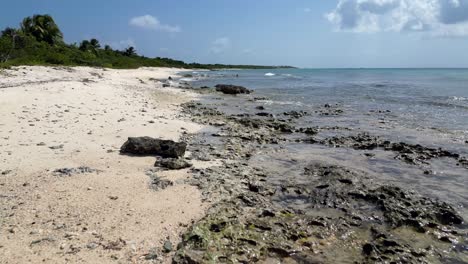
(119, 244)
(92, 245)
(167, 247)
(159, 183)
(57, 147)
(45, 239)
(172, 163)
(232, 89)
(72, 171)
(6, 172)
(153, 146)
(152, 254)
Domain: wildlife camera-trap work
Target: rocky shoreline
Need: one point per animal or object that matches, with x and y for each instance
(244, 182)
(325, 213)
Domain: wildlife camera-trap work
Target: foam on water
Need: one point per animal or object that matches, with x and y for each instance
(459, 98)
(421, 97)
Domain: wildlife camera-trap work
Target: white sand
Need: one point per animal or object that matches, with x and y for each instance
(46, 218)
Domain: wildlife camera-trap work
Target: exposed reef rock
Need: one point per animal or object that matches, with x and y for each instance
(232, 89)
(153, 146)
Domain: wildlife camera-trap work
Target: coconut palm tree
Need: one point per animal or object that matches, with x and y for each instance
(91, 45)
(94, 43)
(130, 51)
(43, 28)
(27, 25)
(84, 45)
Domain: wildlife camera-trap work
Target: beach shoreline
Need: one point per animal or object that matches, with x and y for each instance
(67, 195)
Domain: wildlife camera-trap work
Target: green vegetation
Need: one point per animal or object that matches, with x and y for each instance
(39, 41)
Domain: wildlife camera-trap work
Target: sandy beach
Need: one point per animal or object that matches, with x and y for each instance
(53, 118)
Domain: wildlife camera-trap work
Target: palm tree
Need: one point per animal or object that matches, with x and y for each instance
(94, 43)
(27, 25)
(130, 51)
(9, 32)
(84, 45)
(43, 28)
(91, 45)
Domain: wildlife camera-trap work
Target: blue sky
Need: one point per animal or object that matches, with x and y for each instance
(303, 33)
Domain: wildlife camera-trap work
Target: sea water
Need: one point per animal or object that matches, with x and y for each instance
(418, 106)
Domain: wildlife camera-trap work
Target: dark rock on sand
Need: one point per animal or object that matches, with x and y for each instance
(153, 146)
(173, 164)
(232, 89)
(167, 247)
(159, 183)
(6, 172)
(72, 171)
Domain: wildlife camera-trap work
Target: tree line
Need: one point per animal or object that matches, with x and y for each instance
(39, 41)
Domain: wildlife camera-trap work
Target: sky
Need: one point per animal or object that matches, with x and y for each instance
(301, 33)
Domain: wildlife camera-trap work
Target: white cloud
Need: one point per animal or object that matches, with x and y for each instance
(435, 17)
(151, 22)
(220, 44)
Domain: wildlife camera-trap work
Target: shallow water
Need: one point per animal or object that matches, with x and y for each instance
(429, 98)
(418, 106)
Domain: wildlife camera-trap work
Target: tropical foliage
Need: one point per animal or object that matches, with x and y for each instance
(43, 28)
(39, 41)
